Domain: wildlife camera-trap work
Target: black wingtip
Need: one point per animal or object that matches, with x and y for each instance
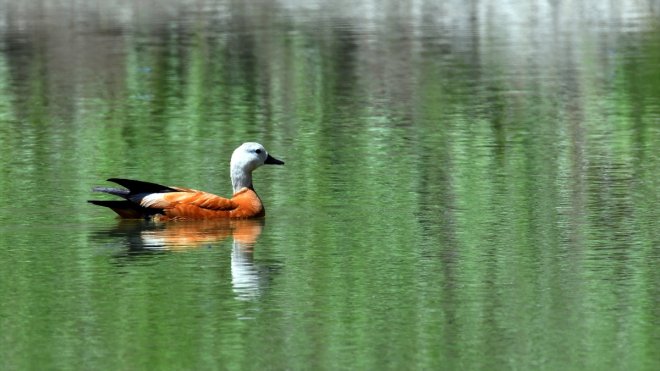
(113, 191)
(139, 186)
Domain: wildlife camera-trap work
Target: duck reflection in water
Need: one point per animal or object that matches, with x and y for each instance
(148, 237)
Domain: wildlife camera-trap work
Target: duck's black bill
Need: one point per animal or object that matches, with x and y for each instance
(270, 160)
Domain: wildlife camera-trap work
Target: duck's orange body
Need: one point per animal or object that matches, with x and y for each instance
(193, 204)
(151, 200)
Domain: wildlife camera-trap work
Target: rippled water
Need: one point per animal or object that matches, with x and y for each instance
(467, 186)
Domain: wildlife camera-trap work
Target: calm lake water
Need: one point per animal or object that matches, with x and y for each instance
(468, 185)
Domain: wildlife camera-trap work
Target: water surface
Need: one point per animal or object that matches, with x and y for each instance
(467, 186)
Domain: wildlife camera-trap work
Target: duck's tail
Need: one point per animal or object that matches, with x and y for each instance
(135, 190)
(126, 209)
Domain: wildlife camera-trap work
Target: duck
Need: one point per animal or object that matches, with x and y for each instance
(146, 200)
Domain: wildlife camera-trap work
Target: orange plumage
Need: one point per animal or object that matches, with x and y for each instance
(151, 200)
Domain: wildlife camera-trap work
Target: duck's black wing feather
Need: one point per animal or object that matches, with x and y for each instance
(139, 186)
(133, 193)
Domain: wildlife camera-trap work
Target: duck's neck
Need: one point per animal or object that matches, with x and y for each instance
(240, 178)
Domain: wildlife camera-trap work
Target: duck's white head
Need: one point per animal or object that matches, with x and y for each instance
(244, 160)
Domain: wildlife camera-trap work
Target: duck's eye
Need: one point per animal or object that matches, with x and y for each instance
(258, 151)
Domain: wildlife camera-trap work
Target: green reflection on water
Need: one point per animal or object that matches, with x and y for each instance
(449, 201)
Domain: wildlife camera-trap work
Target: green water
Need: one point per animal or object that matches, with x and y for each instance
(467, 186)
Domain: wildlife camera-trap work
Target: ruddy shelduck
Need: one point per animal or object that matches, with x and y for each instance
(154, 201)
